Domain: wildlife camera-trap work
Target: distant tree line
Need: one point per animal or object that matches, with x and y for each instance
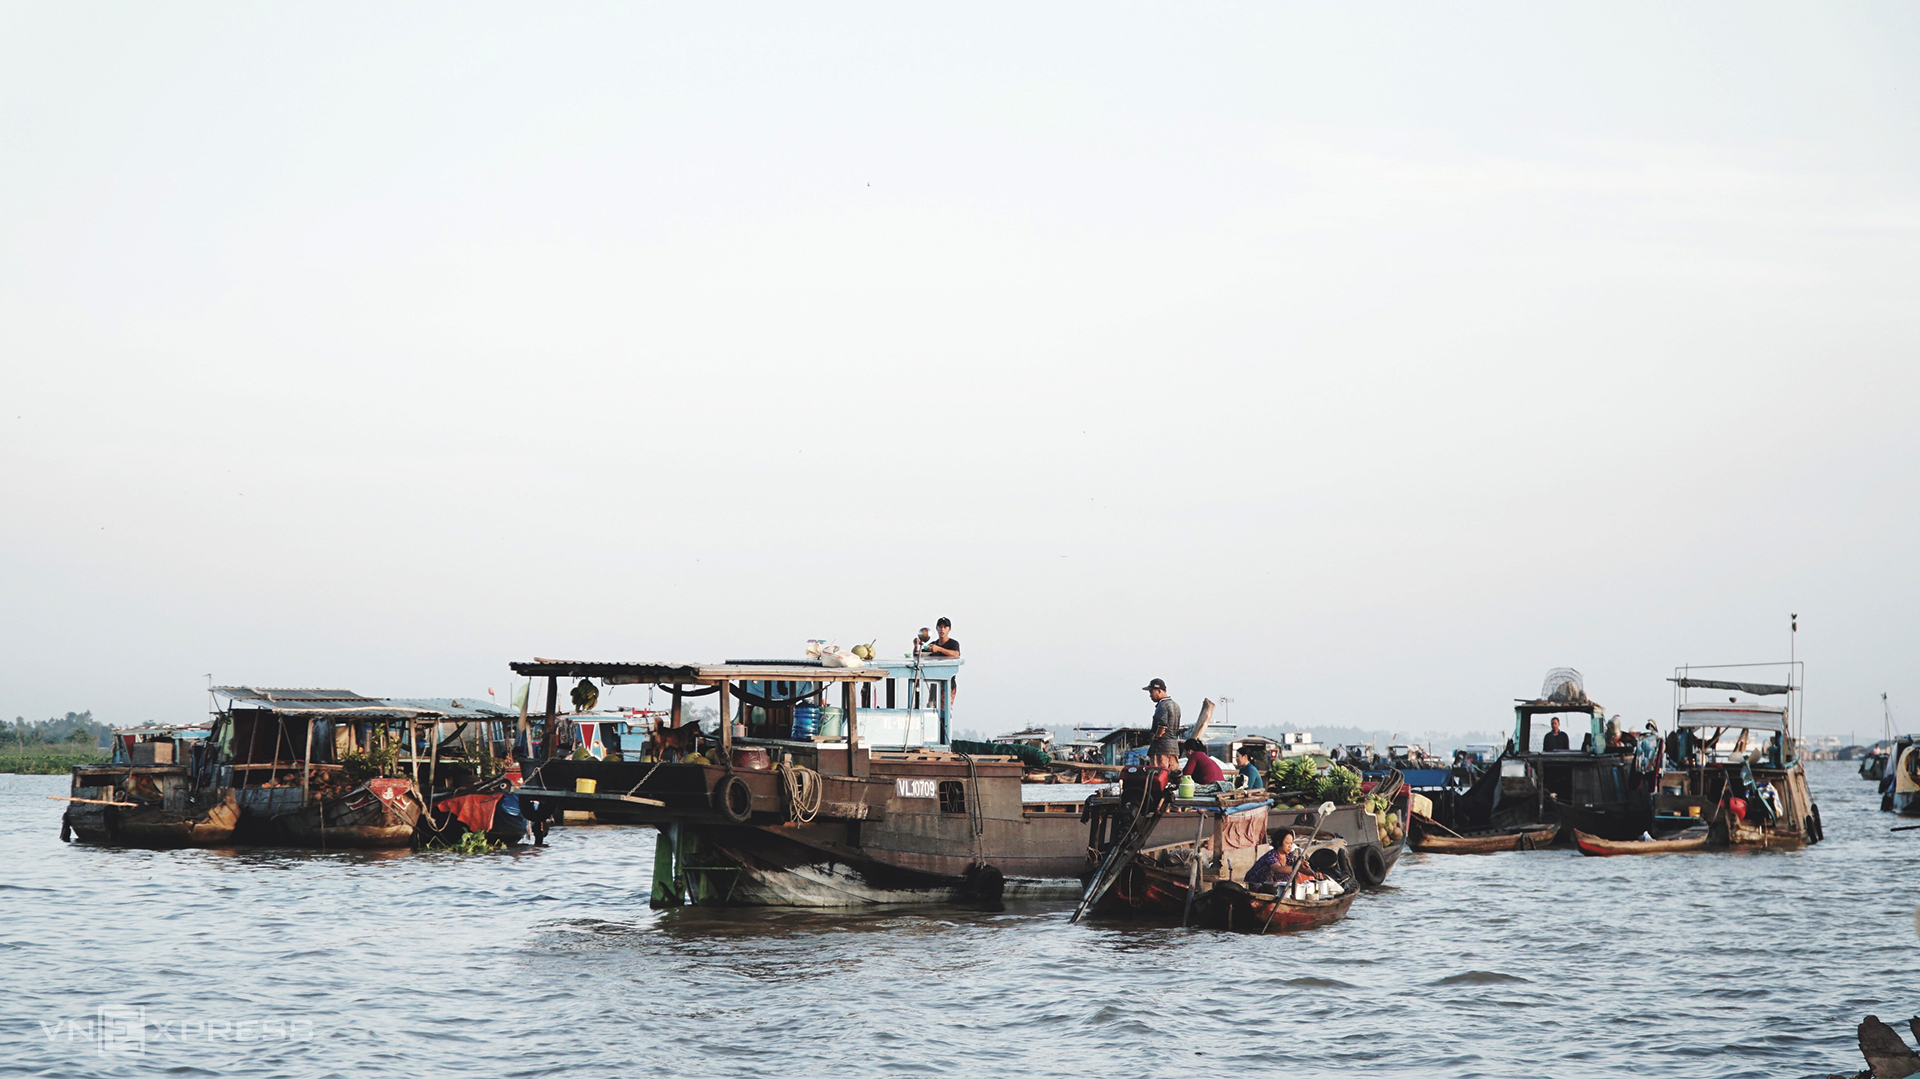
(74, 728)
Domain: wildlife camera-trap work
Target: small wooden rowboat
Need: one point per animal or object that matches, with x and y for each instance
(1699, 838)
(1160, 891)
(1526, 837)
(1232, 905)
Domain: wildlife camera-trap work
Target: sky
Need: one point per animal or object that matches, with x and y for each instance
(1358, 363)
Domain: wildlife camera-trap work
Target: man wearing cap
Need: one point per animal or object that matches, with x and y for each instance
(1165, 751)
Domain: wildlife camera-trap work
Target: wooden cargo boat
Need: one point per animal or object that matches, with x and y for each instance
(150, 794)
(332, 768)
(1899, 776)
(1430, 840)
(867, 805)
(1696, 838)
(147, 807)
(1755, 795)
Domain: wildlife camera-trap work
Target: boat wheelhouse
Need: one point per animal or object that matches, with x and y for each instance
(1594, 787)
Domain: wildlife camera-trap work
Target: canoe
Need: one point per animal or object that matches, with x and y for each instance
(1700, 838)
(1527, 837)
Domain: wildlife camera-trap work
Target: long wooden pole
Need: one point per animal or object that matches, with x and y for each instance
(306, 764)
(850, 701)
(553, 710)
(853, 739)
(525, 699)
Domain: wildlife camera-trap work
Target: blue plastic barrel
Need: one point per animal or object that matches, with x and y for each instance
(806, 719)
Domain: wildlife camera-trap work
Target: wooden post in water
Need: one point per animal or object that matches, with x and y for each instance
(855, 765)
(553, 711)
(306, 764)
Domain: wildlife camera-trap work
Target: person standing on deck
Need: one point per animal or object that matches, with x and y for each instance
(944, 645)
(1165, 752)
(1556, 739)
(947, 647)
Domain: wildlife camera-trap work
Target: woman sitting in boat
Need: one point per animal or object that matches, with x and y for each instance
(1201, 766)
(1275, 866)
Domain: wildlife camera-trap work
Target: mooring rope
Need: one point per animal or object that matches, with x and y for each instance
(803, 792)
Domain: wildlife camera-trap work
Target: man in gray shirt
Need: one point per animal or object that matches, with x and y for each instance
(1165, 751)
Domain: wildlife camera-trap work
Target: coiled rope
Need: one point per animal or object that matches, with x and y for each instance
(803, 792)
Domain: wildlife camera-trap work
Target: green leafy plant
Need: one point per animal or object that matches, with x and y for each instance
(468, 843)
(376, 762)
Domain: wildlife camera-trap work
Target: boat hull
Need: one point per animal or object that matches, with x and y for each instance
(1693, 839)
(150, 826)
(1160, 893)
(1514, 839)
(379, 813)
(1233, 906)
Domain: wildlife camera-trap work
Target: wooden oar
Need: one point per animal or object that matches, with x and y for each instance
(1193, 869)
(1426, 820)
(91, 801)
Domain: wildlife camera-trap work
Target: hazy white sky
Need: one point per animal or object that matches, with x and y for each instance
(1356, 362)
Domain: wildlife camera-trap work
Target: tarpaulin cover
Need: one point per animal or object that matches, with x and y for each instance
(1248, 829)
(473, 810)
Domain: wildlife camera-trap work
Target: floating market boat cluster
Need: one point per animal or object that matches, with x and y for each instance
(835, 780)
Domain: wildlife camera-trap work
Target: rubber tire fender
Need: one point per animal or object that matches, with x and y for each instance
(1819, 829)
(1370, 866)
(734, 799)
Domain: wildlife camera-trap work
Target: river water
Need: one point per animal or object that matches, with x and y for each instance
(268, 963)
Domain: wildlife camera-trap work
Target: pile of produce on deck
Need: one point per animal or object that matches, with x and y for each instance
(1032, 756)
(1299, 779)
(1385, 818)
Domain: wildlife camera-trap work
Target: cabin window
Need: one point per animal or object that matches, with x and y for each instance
(953, 796)
(890, 683)
(866, 695)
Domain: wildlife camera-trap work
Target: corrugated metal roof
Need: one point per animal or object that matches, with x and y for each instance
(349, 704)
(251, 693)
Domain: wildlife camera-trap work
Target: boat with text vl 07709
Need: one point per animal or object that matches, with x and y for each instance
(818, 785)
(1734, 777)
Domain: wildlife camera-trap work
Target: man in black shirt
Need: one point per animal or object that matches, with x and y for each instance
(944, 645)
(1556, 739)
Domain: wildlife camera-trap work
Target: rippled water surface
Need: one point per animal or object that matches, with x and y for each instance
(256, 963)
